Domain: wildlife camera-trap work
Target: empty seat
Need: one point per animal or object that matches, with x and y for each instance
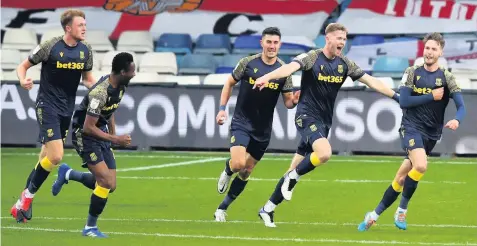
(367, 39)
(248, 44)
(296, 79)
(137, 41)
(198, 64)
(320, 41)
(34, 74)
(107, 62)
(218, 44)
(178, 43)
(390, 66)
(159, 62)
(146, 77)
(295, 45)
(21, 39)
(228, 63)
(51, 33)
(463, 82)
(99, 41)
(181, 80)
(216, 79)
(10, 59)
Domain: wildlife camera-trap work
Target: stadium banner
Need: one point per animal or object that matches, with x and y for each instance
(240, 17)
(158, 116)
(409, 16)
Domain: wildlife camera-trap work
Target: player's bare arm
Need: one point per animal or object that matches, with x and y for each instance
(88, 79)
(224, 99)
(26, 83)
(112, 125)
(377, 85)
(91, 129)
(281, 72)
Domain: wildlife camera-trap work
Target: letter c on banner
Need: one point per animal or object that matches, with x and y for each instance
(144, 106)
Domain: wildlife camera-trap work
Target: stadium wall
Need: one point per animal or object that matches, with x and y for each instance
(178, 117)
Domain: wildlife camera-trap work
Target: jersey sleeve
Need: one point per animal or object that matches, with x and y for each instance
(408, 78)
(288, 87)
(452, 84)
(97, 100)
(307, 60)
(89, 62)
(239, 69)
(354, 71)
(42, 51)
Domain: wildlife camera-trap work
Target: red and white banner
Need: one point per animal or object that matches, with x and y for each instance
(365, 55)
(409, 16)
(293, 17)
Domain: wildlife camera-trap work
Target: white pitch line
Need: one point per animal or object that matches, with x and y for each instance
(247, 222)
(276, 180)
(188, 236)
(184, 163)
(188, 156)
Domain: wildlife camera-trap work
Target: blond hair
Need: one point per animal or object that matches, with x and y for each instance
(332, 27)
(68, 16)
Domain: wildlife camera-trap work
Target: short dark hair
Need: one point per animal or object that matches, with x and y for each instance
(436, 37)
(121, 62)
(68, 15)
(272, 31)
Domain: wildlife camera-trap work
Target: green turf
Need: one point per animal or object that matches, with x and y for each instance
(175, 205)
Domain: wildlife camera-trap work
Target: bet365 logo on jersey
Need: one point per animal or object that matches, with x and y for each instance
(330, 78)
(70, 65)
(271, 85)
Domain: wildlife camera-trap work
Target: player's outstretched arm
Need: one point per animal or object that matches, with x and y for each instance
(224, 99)
(281, 72)
(378, 86)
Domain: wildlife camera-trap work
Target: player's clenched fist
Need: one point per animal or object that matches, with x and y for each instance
(438, 93)
(27, 83)
(221, 117)
(452, 124)
(123, 140)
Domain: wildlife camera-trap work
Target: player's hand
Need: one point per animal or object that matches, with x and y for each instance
(438, 93)
(123, 140)
(261, 83)
(221, 117)
(27, 83)
(452, 124)
(296, 97)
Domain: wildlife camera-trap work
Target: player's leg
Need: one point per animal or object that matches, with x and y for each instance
(418, 157)
(389, 197)
(18, 204)
(101, 163)
(266, 213)
(237, 161)
(236, 188)
(66, 173)
(317, 136)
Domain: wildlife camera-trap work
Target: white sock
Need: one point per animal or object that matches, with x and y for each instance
(293, 174)
(89, 227)
(269, 206)
(18, 204)
(401, 210)
(374, 215)
(67, 175)
(28, 194)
